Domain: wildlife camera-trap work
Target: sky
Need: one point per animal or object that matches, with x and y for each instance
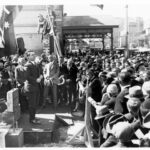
(116, 8)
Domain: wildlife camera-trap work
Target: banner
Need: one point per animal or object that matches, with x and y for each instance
(8, 44)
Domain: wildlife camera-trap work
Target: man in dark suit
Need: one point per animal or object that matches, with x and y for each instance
(71, 81)
(20, 76)
(62, 91)
(94, 95)
(41, 84)
(121, 100)
(31, 86)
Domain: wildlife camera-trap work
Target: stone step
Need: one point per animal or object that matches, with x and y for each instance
(15, 138)
(37, 137)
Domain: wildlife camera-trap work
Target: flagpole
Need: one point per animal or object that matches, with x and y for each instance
(127, 34)
(89, 142)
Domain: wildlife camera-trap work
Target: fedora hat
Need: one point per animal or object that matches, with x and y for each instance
(105, 122)
(146, 88)
(112, 120)
(135, 92)
(116, 118)
(123, 130)
(101, 111)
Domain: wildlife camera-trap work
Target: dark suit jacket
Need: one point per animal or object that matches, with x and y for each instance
(145, 106)
(32, 74)
(120, 105)
(20, 75)
(63, 70)
(72, 73)
(40, 72)
(95, 89)
(5, 85)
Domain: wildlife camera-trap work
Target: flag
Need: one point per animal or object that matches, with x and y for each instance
(7, 36)
(2, 21)
(101, 6)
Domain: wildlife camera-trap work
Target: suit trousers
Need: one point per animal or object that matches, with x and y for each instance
(54, 91)
(47, 90)
(71, 94)
(32, 102)
(23, 101)
(62, 92)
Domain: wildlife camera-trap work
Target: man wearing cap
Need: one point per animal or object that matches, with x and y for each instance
(135, 99)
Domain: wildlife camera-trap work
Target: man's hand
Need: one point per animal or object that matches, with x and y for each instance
(129, 117)
(10, 80)
(18, 84)
(38, 80)
(97, 105)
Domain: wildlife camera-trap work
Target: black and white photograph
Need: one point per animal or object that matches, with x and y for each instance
(75, 74)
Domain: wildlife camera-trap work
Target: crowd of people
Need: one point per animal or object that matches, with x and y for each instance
(117, 89)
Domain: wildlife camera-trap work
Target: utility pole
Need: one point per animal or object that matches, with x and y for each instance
(127, 34)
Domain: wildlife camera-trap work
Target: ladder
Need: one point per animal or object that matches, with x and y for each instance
(57, 48)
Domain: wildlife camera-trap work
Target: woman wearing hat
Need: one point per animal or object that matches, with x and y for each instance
(110, 96)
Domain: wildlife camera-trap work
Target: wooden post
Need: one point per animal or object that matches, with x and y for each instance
(87, 120)
(103, 41)
(78, 132)
(127, 34)
(112, 40)
(55, 38)
(51, 44)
